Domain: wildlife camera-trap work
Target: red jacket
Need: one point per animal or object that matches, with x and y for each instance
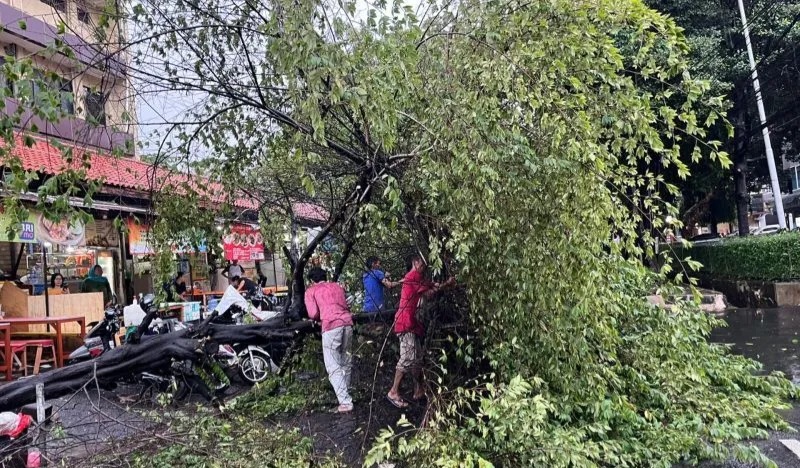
(414, 286)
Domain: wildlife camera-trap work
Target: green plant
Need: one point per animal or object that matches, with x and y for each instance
(288, 394)
(660, 385)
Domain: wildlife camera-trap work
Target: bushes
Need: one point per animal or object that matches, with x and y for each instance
(766, 258)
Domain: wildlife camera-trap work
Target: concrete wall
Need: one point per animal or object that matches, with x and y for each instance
(756, 293)
(50, 15)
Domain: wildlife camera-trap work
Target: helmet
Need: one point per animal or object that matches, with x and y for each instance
(148, 301)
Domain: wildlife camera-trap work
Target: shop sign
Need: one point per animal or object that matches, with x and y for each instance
(243, 243)
(139, 240)
(25, 232)
(102, 233)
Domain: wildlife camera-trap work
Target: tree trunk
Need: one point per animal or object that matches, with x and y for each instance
(153, 354)
(348, 249)
(361, 193)
(739, 120)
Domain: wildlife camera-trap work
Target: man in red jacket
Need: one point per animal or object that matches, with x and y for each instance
(409, 330)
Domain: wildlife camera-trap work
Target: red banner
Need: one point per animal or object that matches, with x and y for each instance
(243, 243)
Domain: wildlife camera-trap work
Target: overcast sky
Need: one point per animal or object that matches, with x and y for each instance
(155, 109)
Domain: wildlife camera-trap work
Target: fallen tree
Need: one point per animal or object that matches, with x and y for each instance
(153, 353)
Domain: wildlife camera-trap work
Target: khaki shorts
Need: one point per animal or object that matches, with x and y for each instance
(410, 351)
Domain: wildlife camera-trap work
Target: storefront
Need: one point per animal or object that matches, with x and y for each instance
(140, 257)
(72, 249)
(245, 244)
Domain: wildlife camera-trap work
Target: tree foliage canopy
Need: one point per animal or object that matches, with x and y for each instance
(714, 32)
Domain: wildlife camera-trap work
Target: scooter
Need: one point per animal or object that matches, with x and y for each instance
(101, 337)
(254, 362)
(182, 377)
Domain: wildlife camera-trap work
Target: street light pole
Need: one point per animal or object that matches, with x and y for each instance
(773, 174)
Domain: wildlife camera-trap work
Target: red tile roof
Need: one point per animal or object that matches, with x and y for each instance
(128, 173)
(123, 172)
(120, 172)
(310, 212)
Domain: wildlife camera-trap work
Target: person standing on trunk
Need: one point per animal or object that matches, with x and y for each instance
(325, 301)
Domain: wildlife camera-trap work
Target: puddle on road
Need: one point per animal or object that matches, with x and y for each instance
(770, 336)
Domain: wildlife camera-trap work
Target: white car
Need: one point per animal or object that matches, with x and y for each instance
(771, 229)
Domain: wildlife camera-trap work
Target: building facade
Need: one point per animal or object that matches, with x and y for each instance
(96, 92)
(88, 75)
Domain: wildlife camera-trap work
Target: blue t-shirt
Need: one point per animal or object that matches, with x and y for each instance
(373, 291)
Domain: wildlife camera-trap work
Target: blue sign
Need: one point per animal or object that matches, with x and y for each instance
(26, 232)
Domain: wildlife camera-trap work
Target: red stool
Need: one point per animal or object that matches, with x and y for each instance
(38, 361)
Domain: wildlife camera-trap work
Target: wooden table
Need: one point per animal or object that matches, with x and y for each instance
(204, 296)
(54, 322)
(9, 358)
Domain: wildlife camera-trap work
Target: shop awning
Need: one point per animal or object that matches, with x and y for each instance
(96, 205)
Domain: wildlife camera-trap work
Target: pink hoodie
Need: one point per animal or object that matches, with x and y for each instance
(327, 300)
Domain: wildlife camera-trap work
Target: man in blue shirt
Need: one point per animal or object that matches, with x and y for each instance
(374, 282)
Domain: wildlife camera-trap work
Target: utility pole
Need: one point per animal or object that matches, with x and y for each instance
(773, 174)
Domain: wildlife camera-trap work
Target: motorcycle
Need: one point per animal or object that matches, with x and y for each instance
(181, 378)
(254, 363)
(101, 337)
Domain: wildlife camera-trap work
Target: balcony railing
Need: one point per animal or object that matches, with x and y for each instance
(75, 130)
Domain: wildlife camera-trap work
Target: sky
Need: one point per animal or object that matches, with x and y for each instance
(155, 109)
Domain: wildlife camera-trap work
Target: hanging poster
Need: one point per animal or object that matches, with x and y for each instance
(62, 232)
(243, 243)
(140, 243)
(102, 233)
(139, 238)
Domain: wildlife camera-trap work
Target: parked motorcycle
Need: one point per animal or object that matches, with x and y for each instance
(101, 337)
(181, 378)
(254, 363)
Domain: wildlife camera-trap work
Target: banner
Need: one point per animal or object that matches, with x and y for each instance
(102, 233)
(39, 229)
(140, 243)
(243, 243)
(139, 238)
(60, 232)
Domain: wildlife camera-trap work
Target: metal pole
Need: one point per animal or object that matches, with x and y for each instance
(44, 278)
(796, 181)
(773, 174)
(274, 272)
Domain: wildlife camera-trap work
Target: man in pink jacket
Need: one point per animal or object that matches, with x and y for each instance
(326, 301)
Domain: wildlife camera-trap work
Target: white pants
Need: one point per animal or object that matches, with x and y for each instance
(337, 353)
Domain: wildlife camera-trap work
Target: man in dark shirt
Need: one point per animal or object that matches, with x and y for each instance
(177, 288)
(250, 289)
